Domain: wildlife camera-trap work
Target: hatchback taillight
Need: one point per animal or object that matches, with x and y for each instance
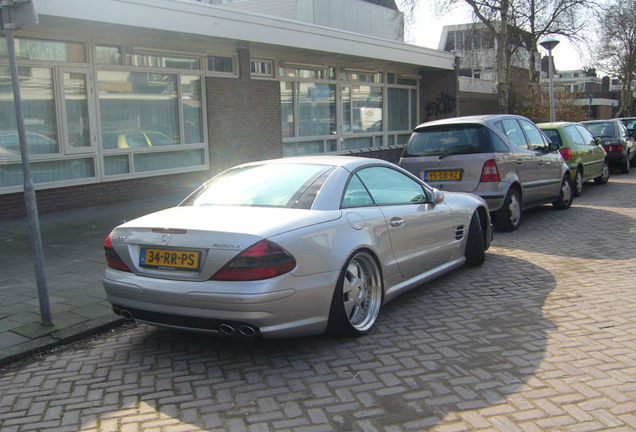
(566, 153)
(112, 259)
(489, 172)
(263, 260)
(613, 148)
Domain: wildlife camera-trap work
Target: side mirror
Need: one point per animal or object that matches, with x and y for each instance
(553, 147)
(597, 140)
(438, 196)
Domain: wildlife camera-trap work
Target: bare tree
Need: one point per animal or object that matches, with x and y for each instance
(617, 47)
(515, 24)
(540, 18)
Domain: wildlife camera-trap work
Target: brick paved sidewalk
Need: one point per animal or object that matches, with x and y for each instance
(74, 259)
(542, 337)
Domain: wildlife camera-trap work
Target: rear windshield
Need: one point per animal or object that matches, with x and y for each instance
(449, 140)
(276, 185)
(602, 129)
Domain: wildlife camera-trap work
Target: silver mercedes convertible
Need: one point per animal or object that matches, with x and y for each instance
(292, 247)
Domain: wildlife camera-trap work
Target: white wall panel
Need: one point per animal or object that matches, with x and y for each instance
(280, 8)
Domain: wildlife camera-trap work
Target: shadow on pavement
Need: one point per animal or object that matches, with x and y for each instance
(456, 344)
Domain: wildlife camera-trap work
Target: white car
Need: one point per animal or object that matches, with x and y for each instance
(292, 247)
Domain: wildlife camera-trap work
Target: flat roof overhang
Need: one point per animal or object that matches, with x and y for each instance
(215, 21)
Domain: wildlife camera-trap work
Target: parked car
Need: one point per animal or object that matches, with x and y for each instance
(616, 140)
(36, 144)
(581, 150)
(292, 247)
(505, 159)
(134, 138)
(630, 124)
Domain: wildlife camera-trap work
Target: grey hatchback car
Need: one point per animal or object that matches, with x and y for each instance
(503, 158)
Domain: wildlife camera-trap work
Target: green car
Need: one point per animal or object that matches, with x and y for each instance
(581, 151)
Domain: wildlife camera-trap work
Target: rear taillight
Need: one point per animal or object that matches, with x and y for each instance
(263, 260)
(489, 172)
(112, 259)
(614, 148)
(566, 153)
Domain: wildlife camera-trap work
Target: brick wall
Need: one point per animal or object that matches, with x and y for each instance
(470, 103)
(438, 97)
(59, 199)
(244, 118)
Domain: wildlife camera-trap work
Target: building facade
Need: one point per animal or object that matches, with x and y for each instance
(126, 99)
(475, 48)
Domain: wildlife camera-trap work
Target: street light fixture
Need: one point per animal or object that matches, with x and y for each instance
(549, 44)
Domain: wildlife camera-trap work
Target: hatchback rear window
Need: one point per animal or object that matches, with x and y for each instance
(602, 129)
(554, 136)
(449, 140)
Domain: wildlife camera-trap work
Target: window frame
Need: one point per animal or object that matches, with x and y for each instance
(221, 74)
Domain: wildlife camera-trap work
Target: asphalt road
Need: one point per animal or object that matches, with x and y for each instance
(541, 337)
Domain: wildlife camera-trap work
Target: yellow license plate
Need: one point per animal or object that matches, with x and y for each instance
(170, 259)
(444, 175)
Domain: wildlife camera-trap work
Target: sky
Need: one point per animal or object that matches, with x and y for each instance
(427, 30)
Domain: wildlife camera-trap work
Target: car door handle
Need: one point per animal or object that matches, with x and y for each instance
(396, 222)
(520, 161)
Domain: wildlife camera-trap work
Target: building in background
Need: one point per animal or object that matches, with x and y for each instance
(475, 47)
(588, 89)
(124, 99)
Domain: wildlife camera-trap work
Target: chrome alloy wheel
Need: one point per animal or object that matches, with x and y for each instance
(515, 210)
(362, 291)
(567, 193)
(578, 183)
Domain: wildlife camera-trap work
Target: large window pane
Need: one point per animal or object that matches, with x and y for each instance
(357, 143)
(48, 171)
(38, 107)
(168, 160)
(316, 109)
(149, 60)
(398, 109)
(302, 148)
(76, 101)
(287, 108)
(134, 105)
(36, 49)
(117, 164)
(108, 54)
(362, 109)
(414, 119)
(192, 110)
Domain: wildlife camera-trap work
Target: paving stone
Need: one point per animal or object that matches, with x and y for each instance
(541, 337)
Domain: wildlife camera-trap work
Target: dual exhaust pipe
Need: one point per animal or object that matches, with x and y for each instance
(245, 331)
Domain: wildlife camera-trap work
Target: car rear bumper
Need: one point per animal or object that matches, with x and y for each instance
(280, 307)
(616, 157)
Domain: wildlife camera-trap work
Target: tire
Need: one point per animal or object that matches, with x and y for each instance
(625, 166)
(605, 174)
(475, 250)
(577, 187)
(508, 218)
(357, 299)
(564, 201)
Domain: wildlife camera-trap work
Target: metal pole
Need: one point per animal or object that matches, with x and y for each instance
(551, 72)
(35, 238)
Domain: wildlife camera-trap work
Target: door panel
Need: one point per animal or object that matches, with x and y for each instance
(422, 236)
(422, 233)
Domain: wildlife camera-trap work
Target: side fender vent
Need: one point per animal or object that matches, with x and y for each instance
(460, 231)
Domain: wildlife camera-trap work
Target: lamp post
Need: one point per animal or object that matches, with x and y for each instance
(549, 44)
